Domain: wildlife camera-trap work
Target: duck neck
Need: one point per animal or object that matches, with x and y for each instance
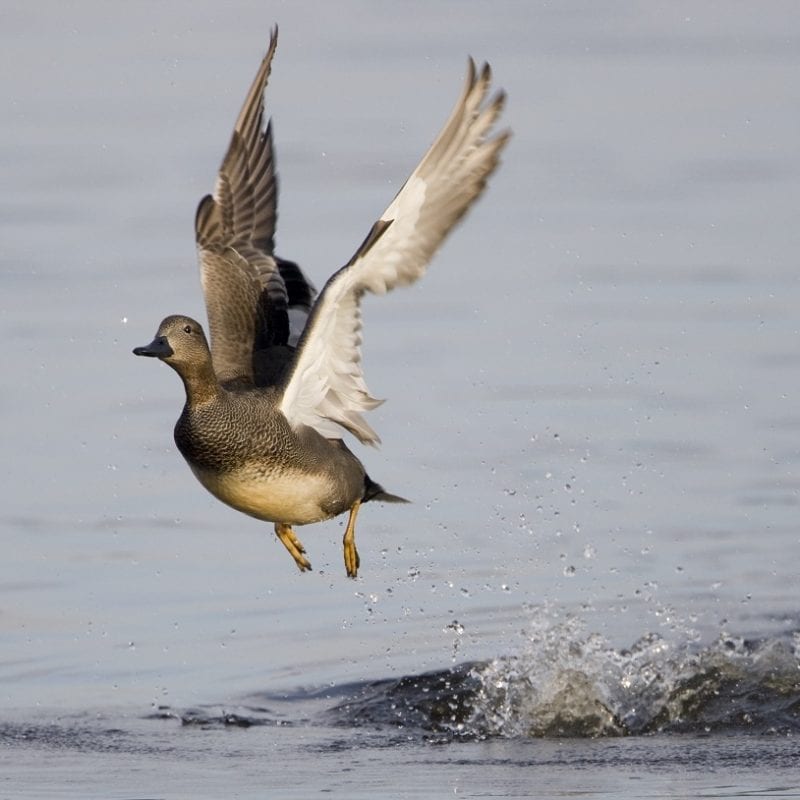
(201, 385)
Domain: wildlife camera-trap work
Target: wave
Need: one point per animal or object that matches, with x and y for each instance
(569, 684)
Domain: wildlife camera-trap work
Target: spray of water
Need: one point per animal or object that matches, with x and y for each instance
(566, 682)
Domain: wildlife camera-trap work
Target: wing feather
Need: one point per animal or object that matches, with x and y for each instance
(326, 388)
(244, 283)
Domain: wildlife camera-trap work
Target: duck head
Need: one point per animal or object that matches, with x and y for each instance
(179, 342)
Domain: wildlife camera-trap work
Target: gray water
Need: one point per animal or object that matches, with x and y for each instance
(593, 402)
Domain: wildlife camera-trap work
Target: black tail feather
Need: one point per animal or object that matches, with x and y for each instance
(374, 491)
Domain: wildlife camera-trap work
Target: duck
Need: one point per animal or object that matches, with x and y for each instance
(268, 400)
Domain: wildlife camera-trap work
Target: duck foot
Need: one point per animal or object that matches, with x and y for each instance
(351, 559)
(295, 547)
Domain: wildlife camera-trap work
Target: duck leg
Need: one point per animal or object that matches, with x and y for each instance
(295, 547)
(351, 559)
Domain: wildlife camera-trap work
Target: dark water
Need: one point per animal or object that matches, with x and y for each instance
(593, 402)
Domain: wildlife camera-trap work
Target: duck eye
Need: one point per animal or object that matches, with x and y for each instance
(187, 328)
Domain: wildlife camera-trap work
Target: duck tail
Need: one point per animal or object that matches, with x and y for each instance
(374, 491)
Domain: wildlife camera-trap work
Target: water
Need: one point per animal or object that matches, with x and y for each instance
(592, 402)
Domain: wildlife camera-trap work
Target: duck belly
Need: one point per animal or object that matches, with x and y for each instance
(292, 497)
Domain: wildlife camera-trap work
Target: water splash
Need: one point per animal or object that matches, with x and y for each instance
(567, 683)
(564, 682)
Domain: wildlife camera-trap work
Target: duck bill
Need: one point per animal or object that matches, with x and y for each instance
(158, 348)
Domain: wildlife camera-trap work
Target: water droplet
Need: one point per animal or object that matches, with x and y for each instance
(456, 627)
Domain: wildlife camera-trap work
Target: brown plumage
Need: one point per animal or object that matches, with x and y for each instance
(266, 403)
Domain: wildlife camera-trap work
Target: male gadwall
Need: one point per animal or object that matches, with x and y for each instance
(261, 427)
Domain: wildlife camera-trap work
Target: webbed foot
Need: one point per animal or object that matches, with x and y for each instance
(293, 545)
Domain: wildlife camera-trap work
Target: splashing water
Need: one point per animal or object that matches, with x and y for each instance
(567, 683)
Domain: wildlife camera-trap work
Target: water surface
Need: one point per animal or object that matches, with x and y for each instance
(592, 403)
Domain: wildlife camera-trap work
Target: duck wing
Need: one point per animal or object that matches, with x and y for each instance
(325, 388)
(248, 290)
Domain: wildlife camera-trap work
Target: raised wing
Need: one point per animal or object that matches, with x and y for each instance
(326, 387)
(244, 285)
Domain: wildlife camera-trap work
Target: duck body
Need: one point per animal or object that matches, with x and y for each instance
(243, 450)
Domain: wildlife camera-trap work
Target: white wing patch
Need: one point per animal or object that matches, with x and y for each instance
(326, 388)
